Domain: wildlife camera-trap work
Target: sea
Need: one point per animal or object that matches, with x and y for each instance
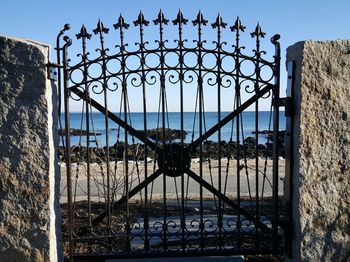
(173, 121)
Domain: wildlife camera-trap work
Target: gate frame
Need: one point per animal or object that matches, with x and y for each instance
(142, 136)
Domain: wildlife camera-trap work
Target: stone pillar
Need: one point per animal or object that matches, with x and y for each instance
(321, 172)
(29, 208)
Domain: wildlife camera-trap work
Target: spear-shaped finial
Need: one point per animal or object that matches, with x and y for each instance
(200, 19)
(237, 26)
(219, 23)
(180, 19)
(100, 28)
(161, 19)
(141, 20)
(83, 33)
(258, 32)
(121, 23)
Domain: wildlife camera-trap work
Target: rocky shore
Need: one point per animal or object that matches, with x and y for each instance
(78, 132)
(210, 149)
(170, 134)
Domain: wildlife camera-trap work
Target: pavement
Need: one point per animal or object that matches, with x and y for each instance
(184, 259)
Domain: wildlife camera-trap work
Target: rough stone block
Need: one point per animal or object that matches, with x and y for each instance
(28, 199)
(321, 203)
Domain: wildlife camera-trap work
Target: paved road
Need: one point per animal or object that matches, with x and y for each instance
(184, 259)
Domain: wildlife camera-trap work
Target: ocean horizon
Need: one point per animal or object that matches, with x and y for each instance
(173, 121)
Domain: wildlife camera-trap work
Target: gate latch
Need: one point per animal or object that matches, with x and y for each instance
(286, 102)
(52, 71)
(288, 107)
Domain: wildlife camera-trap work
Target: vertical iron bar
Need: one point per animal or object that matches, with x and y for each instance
(276, 94)
(85, 35)
(122, 25)
(200, 111)
(181, 20)
(200, 21)
(161, 21)
(238, 27)
(238, 100)
(257, 34)
(219, 24)
(58, 55)
(101, 30)
(219, 145)
(141, 22)
(183, 219)
(68, 149)
(59, 74)
(257, 142)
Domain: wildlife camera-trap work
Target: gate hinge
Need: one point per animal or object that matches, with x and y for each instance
(52, 72)
(287, 103)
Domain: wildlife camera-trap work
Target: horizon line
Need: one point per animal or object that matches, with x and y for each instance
(281, 110)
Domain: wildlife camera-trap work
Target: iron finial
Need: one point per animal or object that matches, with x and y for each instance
(200, 19)
(68, 41)
(141, 20)
(161, 19)
(83, 33)
(237, 26)
(121, 23)
(275, 39)
(100, 28)
(180, 19)
(258, 32)
(219, 23)
(66, 27)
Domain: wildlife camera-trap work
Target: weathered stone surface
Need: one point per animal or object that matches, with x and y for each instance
(322, 168)
(27, 154)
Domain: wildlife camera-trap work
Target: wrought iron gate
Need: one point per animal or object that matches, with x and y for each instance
(135, 186)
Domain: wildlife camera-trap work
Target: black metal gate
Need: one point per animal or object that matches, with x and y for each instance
(169, 183)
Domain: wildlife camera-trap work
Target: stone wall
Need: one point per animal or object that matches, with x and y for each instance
(28, 199)
(321, 176)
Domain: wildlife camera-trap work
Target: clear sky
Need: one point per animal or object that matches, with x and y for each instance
(294, 20)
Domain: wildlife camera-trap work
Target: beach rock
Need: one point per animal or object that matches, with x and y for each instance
(263, 132)
(78, 132)
(170, 134)
(210, 149)
(119, 149)
(250, 141)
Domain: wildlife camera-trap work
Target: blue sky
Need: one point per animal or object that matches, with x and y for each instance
(294, 20)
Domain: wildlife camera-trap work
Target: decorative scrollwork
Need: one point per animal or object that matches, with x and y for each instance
(136, 79)
(227, 81)
(173, 76)
(210, 225)
(98, 87)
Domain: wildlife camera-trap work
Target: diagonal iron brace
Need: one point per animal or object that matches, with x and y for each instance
(131, 193)
(230, 116)
(116, 119)
(228, 201)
